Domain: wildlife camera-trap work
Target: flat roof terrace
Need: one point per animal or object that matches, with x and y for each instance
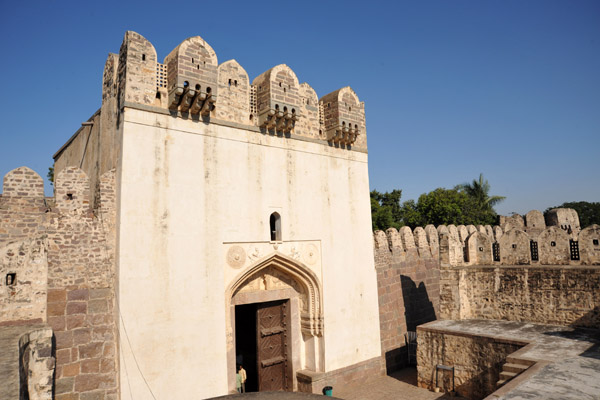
(561, 362)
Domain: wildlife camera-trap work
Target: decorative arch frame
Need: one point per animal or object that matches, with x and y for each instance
(307, 337)
(311, 314)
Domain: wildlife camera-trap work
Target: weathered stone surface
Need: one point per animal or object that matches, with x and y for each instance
(568, 295)
(553, 245)
(476, 361)
(565, 218)
(514, 248)
(589, 245)
(479, 246)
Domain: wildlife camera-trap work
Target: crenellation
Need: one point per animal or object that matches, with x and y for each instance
(278, 99)
(514, 248)
(234, 93)
(343, 119)
(534, 222)
(463, 233)
(394, 240)
(380, 240)
(23, 182)
(190, 82)
(589, 245)
(421, 242)
(553, 245)
(408, 241)
(497, 233)
(308, 119)
(72, 191)
(471, 229)
(479, 247)
(515, 221)
(192, 71)
(137, 70)
(489, 231)
(432, 239)
(565, 218)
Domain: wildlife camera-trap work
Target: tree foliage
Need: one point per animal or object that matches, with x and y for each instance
(385, 209)
(469, 203)
(589, 213)
(50, 175)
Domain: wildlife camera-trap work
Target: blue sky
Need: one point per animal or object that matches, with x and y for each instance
(510, 89)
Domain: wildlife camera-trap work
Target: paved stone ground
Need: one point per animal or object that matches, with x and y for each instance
(400, 385)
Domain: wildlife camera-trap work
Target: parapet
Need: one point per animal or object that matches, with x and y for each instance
(190, 82)
(522, 242)
(24, 187)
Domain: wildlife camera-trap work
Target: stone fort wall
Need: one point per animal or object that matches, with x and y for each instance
(57, 268)
(526, 269)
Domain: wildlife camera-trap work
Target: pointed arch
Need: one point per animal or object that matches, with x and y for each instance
(311, 312)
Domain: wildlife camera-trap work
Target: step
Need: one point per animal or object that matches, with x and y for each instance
(507, 375)
(515, 360)
(500, 383)
(518, 368)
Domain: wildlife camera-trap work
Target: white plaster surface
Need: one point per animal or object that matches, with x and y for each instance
(186, 190)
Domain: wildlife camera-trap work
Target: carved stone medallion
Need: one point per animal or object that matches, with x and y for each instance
(310, 254)
(236, 256)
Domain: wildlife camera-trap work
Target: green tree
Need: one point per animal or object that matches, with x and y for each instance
(479, 190)
(589, 213)
(50, 175)
(385, 209)
(443, 207)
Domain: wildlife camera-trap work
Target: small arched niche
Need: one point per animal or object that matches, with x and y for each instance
(275, 227)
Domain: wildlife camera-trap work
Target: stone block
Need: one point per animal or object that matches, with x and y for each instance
(56, 309)
(64, 385)
(75, 321)
(78, 294)
(90, 350)
(97, 306)
(70, 370)
(57, 295)
(76, 307)
(90, 366)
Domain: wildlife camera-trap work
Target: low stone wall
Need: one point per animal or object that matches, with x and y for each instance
(314, 382)
(477, 361)
(555, 295)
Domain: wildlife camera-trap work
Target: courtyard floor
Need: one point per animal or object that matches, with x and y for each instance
(400, 385)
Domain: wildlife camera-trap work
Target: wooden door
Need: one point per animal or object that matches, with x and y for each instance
(272, 346)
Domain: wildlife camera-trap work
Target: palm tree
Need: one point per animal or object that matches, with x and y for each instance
(479, 191)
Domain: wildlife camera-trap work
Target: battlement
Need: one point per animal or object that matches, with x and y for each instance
(517, 241)
(191, 83)
(23, 191)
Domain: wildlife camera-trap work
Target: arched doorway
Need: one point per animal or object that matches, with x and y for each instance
(275, 323)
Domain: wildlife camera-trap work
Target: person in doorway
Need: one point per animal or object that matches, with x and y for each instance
(242, 373)
(238, 379)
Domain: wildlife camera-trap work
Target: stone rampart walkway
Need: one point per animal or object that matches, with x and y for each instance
(567, 360)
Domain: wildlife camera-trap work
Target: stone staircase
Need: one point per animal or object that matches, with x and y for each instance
(511, 368)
